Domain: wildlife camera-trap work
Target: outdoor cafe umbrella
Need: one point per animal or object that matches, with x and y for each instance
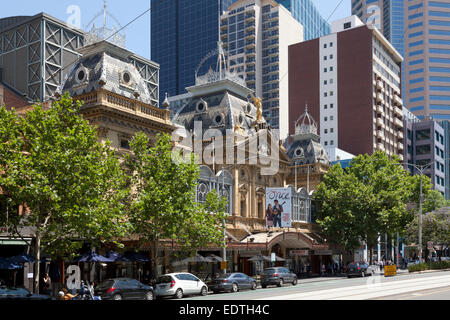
(8, 264)
(22, 258)
(214, 258)
(196, 259)
(92, 257)
(136, 257)
(116, 257)
(259, 257)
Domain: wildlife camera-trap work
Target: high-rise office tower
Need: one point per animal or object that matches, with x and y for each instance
(388, 17)
(305, 12)
(352, 88)
(257, 34)
(427, 52)
(183, 32)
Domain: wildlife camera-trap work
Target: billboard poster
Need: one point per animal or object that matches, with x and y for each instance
(278, 207)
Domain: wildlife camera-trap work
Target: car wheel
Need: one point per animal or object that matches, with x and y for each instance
(149, 296)
(179, 294)
(253, 285)
(204, 291)
(280, 284)
(234, 288)
(294, 283)
(117, 297)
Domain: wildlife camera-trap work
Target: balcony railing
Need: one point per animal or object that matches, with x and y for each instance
(398, 123)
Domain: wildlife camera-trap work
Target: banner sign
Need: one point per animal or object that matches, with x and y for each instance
(279, 207)
(298, 253)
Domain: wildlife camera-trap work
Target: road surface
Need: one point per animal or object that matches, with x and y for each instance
(432, 286)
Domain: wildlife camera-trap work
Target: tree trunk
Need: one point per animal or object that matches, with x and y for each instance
(37, 250)
(155, 259)
(371, 254)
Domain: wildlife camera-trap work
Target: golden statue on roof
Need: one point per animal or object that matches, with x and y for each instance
(258, 105)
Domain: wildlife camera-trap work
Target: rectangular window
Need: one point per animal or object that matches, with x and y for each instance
(421, 150)
(424, 134)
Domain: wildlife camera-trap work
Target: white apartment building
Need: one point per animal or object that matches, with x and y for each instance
(256, 35)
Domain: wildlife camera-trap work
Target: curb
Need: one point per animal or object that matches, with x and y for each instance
(428, 271)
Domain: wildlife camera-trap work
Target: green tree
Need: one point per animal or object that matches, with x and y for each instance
(73, 186)
(162, 204)
(435, 228)
(367, 199)
(434, 200)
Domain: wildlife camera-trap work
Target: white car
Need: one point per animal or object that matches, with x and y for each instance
(179, 285)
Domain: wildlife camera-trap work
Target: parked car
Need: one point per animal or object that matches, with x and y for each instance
(123, 289)
(179, 285)
(20, 294)
(277, 276)
(360, 269)
(232, 282)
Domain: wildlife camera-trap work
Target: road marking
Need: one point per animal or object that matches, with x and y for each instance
(362, 292)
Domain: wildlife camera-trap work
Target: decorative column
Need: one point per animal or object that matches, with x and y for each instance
(236, 194)
(253, 200)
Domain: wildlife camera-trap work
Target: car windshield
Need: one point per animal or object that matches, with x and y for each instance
(105, 285)
(164, 279)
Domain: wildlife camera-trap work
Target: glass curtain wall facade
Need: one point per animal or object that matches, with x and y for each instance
(427, 51)
(183, 32)
(305, 12)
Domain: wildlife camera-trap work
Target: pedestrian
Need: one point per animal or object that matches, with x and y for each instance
(47, 284)
(323, 269)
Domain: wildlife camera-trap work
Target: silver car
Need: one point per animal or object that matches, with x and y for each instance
(179, 285)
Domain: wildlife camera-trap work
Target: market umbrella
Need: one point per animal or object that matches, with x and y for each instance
(92, 257)
(8, 264)
(22, 258)
(196, 259)
(259, 257)
(136, 257)
(214, 258)
(116, 257)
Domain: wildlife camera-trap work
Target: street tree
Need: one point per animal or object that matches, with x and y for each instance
(162, 203)
(367, 199)
(72, 185)
(435, 222)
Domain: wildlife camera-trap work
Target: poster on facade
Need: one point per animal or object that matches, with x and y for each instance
(278, 207)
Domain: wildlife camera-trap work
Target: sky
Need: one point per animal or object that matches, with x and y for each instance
(137, 33)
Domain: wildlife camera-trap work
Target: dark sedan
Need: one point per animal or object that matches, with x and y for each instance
(232, 282)
(359, 269)
(277, 276)
(124, 289)
(9, 293)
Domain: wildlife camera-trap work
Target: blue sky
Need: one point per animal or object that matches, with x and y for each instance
(138, 33)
